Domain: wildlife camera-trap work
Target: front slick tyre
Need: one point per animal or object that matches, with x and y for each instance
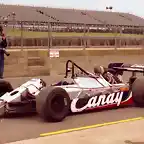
(56, 104)
(5, 86)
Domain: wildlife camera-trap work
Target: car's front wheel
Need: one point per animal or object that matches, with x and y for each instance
(5, 86)
(53, 104)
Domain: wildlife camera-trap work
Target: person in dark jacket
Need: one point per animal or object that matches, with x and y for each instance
(3, 45)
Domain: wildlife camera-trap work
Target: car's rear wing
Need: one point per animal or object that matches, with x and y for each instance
(140, 70)
(135, 68)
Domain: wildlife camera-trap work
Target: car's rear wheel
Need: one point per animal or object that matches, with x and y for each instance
(53, 104)
(138, 92)
(5, 86)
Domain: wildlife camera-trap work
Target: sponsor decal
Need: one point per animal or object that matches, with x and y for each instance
(54, 53)
(96, 101)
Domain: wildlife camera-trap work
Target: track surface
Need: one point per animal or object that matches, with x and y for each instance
(24, 127)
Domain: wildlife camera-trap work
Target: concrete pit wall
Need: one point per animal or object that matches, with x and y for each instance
(37, 62)
(26, 63)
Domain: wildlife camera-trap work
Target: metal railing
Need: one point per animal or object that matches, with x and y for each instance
(55, 35)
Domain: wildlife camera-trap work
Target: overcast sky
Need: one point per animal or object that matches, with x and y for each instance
(131, 6)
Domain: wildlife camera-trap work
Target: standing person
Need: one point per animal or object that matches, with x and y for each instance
(3, 45)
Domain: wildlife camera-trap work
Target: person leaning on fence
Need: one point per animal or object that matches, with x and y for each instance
(3, 45)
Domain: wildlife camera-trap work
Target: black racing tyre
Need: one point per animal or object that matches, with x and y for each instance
(138, 92)
(5, 86)
(53, 104)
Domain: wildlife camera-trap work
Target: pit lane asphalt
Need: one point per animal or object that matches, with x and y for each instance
(30, 126)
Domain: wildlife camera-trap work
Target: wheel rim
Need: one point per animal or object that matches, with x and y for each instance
(58, 104)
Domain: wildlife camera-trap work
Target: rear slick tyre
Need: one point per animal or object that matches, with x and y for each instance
(138, 92)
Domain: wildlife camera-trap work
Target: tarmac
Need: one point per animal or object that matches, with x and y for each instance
(123, 133)
(92, 128)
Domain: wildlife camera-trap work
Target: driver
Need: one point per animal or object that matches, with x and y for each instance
(110, 75)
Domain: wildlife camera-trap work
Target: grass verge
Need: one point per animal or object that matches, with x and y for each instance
(31, 34)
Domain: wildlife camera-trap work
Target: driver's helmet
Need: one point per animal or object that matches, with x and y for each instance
(98, 69)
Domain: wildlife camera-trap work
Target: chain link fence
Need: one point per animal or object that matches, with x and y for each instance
(56, 35)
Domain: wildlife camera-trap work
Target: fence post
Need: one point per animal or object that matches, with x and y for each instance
(49, 46)
(115, 31)
(88, 35)
(21, 36)
(49, 36)
(84, 36)
(120, 43)
(50, 29)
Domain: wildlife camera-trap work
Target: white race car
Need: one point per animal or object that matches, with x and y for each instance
(80, 92)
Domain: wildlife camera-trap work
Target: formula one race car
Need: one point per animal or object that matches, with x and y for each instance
(87, 91)
(82, 91)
